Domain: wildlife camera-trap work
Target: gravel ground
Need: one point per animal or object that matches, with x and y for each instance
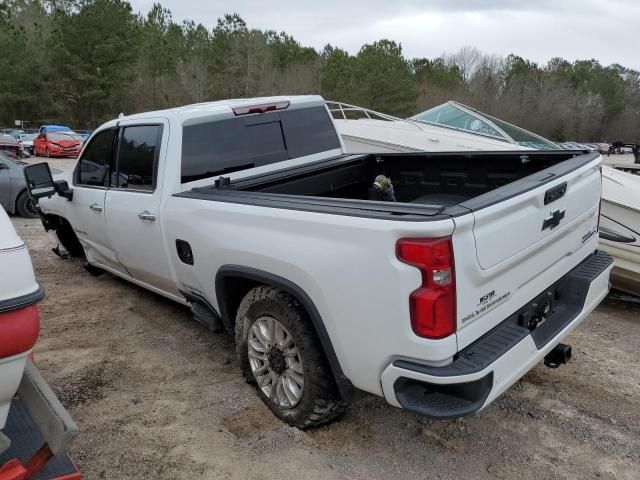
(157, 396)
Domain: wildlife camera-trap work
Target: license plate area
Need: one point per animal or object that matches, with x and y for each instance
(541, 308)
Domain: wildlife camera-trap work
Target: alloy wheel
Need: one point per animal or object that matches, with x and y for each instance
(275, 362)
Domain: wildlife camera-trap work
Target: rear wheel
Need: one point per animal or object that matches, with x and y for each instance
(25, 207)
(279, 352)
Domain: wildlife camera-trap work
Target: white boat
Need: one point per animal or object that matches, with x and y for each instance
(456, 127)
(449, 127)
(19, 318)
(620, 225)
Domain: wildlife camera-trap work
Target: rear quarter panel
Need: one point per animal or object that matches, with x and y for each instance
(346, 265)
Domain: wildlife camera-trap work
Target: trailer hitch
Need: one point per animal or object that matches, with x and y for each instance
(560, 355)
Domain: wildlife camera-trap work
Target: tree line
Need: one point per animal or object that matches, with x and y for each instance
(82, 62)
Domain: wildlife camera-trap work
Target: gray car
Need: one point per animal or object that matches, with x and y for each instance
(13, 188)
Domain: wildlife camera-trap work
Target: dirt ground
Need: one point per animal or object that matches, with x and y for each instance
(156, 396)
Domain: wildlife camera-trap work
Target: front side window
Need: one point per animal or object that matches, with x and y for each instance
(94, 164)
(137, 157)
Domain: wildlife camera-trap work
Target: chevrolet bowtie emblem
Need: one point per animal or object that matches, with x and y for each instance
(553, 221)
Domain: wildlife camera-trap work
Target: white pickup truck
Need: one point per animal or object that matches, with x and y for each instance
(437, 295)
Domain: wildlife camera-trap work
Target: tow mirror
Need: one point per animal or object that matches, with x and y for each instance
(40, 182)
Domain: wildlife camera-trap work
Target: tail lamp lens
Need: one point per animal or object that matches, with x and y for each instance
(433, 305)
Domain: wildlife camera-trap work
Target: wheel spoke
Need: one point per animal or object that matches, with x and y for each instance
(291, 352)
(259, 335)
(274, 387)
(296, 377)
(271, 331)
(294, 365)
(256, 345)
(263, 380)
(281, 394)
(287, 341)
(279, 334)
(291, 390)
(258, 355)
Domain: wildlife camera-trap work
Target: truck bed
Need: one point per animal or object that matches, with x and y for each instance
(428, 186)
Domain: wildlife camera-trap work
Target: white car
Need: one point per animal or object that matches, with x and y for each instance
(435, 280)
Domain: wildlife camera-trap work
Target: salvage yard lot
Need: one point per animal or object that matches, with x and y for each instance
(157, 396)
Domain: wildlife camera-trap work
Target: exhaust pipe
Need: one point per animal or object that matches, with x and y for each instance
(558, 356)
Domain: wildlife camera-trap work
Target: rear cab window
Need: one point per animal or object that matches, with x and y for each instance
(223, 146)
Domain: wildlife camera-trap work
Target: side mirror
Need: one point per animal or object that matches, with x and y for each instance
(62, 188)
(39, 180)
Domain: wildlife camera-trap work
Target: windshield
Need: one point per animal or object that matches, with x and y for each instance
(523, 137)
(449, 115)
(7, 139)
(454, 116)
(29, 136)
(63, 136)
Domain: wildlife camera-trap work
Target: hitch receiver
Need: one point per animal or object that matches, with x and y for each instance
(558, 356)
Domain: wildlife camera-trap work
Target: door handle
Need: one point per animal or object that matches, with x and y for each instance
(95, 207)
(147, 216)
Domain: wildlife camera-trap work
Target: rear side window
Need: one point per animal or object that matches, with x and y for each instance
(225, 146)
(138, 151)
(93, 166)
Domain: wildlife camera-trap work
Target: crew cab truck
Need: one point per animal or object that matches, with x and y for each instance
(250, 211)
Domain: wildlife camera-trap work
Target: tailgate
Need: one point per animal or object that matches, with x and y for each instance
(520, 219)
(526, 235)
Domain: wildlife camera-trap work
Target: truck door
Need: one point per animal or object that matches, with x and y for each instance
(133, 204)
(86, 213)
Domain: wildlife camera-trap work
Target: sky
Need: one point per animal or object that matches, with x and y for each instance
(538, 30)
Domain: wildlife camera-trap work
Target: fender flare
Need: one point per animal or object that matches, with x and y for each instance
(346, 388)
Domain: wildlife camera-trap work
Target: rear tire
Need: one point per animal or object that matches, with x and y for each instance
(279, 353)
(25, 207)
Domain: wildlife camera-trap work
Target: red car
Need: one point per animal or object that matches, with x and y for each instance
(57, 144)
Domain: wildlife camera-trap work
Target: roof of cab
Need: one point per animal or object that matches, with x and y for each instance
(221, 106)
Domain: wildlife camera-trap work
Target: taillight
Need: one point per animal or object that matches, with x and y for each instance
(262, 108)
(433, 305)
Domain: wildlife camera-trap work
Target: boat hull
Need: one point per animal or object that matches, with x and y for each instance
(620, 227)
(11, 370)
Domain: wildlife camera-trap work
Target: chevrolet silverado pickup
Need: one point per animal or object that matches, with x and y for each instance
(435, 280)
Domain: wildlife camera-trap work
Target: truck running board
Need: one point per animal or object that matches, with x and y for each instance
(203, 312)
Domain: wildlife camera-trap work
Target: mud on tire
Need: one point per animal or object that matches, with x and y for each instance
(320, 401)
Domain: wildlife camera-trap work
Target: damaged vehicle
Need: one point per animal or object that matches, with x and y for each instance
(433, 279)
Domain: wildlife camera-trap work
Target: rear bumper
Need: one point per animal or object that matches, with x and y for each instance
(64, 154)
(487, 367)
